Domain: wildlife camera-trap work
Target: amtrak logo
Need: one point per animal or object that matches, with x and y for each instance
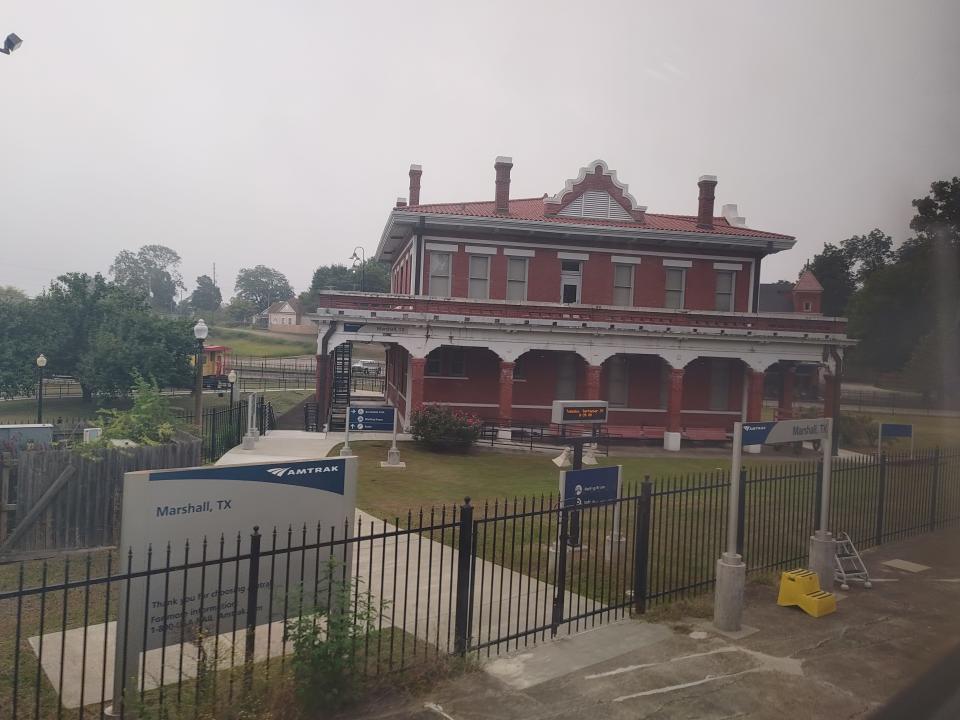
(289, 471)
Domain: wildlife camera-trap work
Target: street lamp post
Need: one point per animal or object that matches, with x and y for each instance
(41, 364)
(200, 331)
(362, 259)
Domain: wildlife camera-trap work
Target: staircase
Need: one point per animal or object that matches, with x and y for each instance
(340, 399)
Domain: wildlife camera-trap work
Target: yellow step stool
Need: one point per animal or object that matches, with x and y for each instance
(802, 588)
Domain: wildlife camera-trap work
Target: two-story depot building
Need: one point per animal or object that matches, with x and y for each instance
(500, 307)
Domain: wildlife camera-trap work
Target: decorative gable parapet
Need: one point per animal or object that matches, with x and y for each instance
(595, 193)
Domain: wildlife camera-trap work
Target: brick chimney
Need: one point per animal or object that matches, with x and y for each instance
(707, 185)
(502, 166)
(401, 202)
(415, 172)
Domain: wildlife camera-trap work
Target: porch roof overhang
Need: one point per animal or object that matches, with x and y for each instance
(401, 225)
(433, 321)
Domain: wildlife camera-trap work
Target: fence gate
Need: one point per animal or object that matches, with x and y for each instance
(524, 586)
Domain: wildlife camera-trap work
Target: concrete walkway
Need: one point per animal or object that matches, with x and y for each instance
(844, 665)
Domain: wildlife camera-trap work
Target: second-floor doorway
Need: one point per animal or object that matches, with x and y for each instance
(570, 275)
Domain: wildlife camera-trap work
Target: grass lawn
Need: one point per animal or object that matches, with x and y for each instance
(72, 408)
(928, 431)
(255, 343)
(434, 479)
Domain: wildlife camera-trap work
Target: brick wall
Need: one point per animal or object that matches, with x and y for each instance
(543, 279)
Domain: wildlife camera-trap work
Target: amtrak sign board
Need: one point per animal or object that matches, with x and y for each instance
(785, 431)
(204, 503)
(377, 418)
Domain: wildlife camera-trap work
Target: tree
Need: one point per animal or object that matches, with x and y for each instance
(240, 310)
(9, 293)
(907, 310)
(832, 268)
(98, 332)
(375, 277)
(867, 254)
(262, 286)
(153, 271)
(206, 296)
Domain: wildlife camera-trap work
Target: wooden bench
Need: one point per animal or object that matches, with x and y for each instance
(705, 434)
(636, 432)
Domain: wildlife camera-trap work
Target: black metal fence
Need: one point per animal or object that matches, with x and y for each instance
(224, 428)
(451, 580)
(368, 383)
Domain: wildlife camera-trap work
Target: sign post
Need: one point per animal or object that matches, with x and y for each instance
(393, 454)
(345, 450)
(731, 570)
(894, 430)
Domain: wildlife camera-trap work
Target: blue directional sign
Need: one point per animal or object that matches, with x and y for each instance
(592, 485)
(895, 430)
(374, 419)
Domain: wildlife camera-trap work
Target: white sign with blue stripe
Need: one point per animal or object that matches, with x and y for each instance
(205, 503)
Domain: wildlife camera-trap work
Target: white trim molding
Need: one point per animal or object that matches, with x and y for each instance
(667, 262)
(625, 259)
(480, 250)
(572, 256)
(441, 247)
(605, 169)
(519, 252)
(727, 266)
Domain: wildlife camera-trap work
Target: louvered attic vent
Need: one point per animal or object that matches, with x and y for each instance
(596, 204)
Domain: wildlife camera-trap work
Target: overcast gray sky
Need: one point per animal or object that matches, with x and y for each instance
(281, 132)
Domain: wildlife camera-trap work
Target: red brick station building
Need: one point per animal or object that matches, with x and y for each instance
(499, 307)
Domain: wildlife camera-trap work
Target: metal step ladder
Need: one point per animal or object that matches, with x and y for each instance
(849, 564)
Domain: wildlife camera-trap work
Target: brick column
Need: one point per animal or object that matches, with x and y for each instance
(755, 399)
(591, 388)
(506, 390)
(785, 410)
(417, 367)
(671, 438)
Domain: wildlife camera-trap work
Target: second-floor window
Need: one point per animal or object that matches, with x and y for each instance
(623, 285)
(676, 277)
(479, 286)
(726, 282)
(440, 274)
(516, 279)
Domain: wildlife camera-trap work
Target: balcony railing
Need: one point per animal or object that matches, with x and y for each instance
(332, 302)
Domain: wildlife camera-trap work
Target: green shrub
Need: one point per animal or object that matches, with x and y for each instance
(441, 427)
(857, 431)
(326, 648)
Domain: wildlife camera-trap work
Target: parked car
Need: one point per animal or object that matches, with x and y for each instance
(366, 367)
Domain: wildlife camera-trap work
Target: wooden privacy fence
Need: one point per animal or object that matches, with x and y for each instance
(66, 500)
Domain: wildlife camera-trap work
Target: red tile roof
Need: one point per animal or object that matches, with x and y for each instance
(808, 282)
(532, 209)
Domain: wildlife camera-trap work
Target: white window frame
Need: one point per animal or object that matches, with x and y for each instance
(518, 283)
(628, 288)
(732, 304)
(683, 287)
(449, 276)
(485, 260)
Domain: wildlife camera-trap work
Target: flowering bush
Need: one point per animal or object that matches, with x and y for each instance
(439, 427)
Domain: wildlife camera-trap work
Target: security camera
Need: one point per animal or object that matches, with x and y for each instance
(12, 42)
